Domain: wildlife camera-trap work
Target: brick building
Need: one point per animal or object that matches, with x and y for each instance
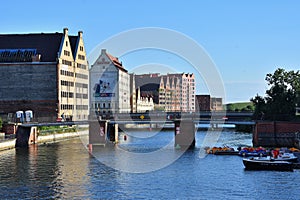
(46, 73)
(208, 103)
(171, 92)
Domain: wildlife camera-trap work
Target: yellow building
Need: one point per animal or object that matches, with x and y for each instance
(46, 73)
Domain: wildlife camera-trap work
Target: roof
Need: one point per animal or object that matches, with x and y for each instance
(116, 62)
(73, 42)
(141, 80)
(46, 44)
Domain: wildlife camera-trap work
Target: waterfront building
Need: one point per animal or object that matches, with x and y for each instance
(46, 73)
(208, 103)
(133, 105)
(143, 103)
(109, 86)
(171, 92)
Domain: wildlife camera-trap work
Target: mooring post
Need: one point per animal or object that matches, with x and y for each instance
(184, 134)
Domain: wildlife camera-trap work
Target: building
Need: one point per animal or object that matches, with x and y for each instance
(171, 92)
(109, 86)
(143, 103)
(208, 103)
(46, 73)
(133, 106)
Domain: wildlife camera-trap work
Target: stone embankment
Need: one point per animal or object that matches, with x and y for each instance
(56, 137)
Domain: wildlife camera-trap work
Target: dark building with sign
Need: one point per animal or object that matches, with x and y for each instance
(46, 73)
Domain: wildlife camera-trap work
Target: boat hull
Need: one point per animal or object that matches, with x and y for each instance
(251, 164)
(226, 153)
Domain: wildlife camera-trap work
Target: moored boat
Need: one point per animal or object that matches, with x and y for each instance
(264, 164)
(250, 152)
(232, 152)
(290, 157)
(222, 151)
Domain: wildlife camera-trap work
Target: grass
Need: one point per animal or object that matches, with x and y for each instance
(242, 106)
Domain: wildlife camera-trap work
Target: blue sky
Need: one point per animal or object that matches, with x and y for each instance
(245, 39)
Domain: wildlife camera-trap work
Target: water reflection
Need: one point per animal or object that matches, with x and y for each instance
(48, 171)
(66, 170)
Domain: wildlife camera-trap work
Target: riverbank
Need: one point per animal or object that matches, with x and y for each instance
(55, 137)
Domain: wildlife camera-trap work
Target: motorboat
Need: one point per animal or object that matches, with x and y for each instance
(261, 163)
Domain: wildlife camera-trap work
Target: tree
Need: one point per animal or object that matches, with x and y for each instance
(281, 98)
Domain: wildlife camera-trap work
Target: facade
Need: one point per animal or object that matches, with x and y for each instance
(109, 86)
(133, 105)
(46, 73)
(143, 103)
(208, 103)
(171, 92)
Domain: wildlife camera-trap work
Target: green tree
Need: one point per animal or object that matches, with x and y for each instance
(281, 98)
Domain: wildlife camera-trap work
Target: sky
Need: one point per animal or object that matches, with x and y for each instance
(244, 39)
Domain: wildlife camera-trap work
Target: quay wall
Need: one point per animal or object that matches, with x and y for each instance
(276, 134)
(11, 143)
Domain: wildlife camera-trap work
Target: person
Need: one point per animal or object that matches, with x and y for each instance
(63, 116)
(275, 153)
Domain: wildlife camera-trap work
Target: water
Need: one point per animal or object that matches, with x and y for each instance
(65, 170)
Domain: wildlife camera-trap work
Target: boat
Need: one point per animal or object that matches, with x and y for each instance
(290, 157)
(253, 152)
(222, 151)
(264, 164)
(232, 152)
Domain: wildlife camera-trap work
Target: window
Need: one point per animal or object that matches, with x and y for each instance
(66, 53)
(81, 57)
(66, 62)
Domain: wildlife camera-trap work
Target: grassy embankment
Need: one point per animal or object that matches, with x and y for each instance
(241, 107)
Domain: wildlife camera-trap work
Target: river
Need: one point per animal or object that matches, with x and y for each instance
(144, 166)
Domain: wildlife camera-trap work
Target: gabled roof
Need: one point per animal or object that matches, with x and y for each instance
(116, 62)
(46, 44)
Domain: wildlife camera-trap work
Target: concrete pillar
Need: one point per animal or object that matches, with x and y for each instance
(111, 132)
(184, 134)
(33, 135)
(98, 132)
(22, 136)
(116, 133)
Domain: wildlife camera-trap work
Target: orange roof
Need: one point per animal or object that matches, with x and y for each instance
(116, 62)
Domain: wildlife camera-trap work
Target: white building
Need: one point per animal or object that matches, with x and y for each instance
(109, 86)
(144, 104)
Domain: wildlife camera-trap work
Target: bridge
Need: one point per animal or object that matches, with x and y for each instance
(105, 130)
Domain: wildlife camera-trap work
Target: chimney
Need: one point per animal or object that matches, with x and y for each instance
(103, 51)
(66, 31)
(80, 34)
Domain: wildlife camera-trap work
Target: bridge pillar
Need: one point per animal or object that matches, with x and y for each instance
(113, 132)
(185, 134)
(98, 132)
(26, 136)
